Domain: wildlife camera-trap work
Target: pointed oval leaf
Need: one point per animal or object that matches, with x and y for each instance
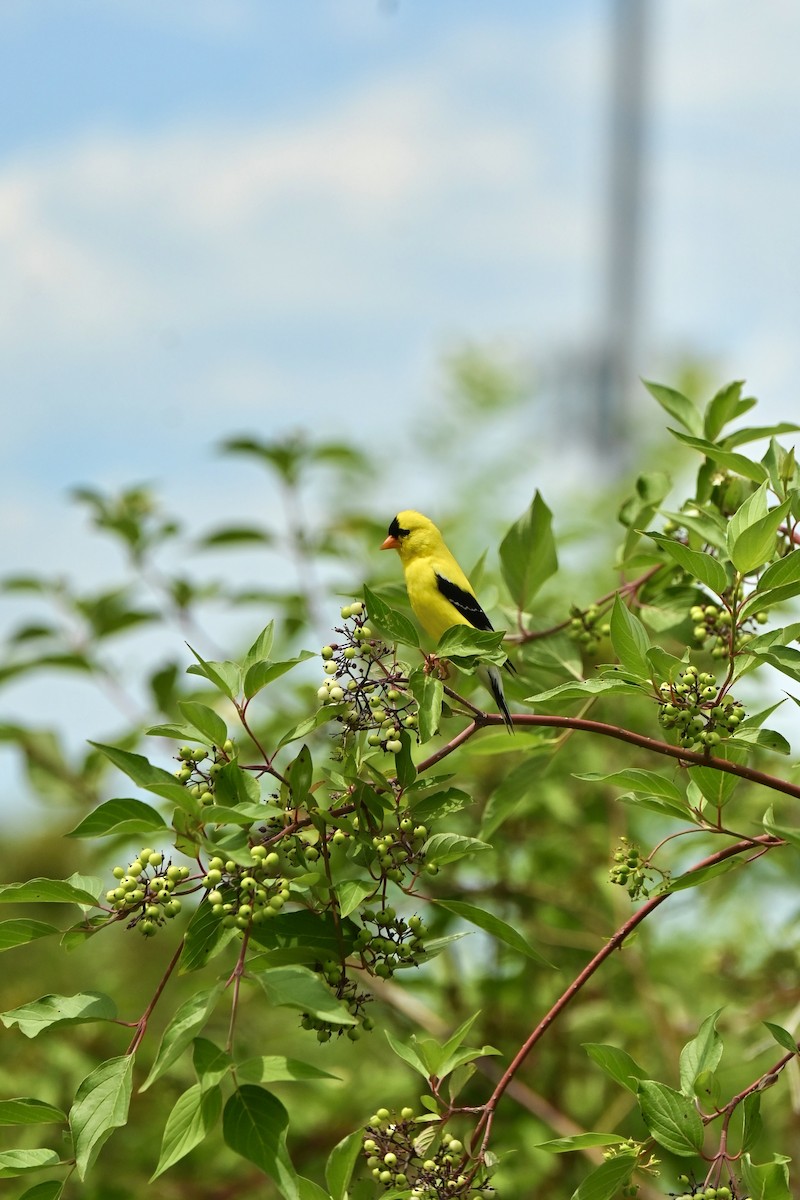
(528, 553)
(671, 1118)
(254, 1125)
(117, 817)
(207, 722)
(195, 1114)
(101, 1106)
(493, 925)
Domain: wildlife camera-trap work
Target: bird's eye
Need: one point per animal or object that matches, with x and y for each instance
(395, 531)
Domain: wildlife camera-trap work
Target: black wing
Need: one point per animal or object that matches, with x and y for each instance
(466, 604)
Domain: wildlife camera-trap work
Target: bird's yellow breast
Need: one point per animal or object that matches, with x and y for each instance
(433, 611)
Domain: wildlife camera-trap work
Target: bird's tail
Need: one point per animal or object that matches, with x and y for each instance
(495, 683)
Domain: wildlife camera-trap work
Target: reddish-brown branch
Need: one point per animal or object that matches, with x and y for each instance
(141, 1024)
(764, 841)
(693, 757)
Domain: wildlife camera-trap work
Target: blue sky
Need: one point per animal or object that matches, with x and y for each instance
(220, 216)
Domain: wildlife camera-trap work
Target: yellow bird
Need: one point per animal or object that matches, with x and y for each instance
(438, 590)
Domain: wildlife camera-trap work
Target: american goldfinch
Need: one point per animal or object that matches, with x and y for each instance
(439, 591)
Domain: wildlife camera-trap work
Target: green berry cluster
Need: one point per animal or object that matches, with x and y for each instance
(716, 624)
(199, 781)
(346, 990)
(701, 1192)
(364, 675)
(398, 849)
(395, 942)
(246, 895)
(587, 626)
(144, 891)
(399, 1154)
(694, 708)
(631, 871)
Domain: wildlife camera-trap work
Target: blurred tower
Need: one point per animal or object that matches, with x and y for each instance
(615, 371)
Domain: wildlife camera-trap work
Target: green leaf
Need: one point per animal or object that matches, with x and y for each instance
(274, 1068)
(211, 1064)
(757, 433)
(235, 535)
(767, 1181)
(341, 1164)
(207, 722)
(580, 689)
(101, 1106)
(350, 893)
(606, 1180)
(261, 647)
(119, 817)
(254, 1126)
(188, 1019)
(755, 545)
(783, 658)
(765, 739)
(300, 775)
(677, 405)
(617, 1063)
(751, 510)
(404, 762)
(296, 986)
(671, 1118)
(722, 409)
(737, 463)
(784, 571)
(701, 566)
(23, 930)
(24, 1110)
(135, 766)
(428, 691)
(528, 553)
(691, 879)
(304, 937)
(701, 1054)
(226, 676)
(629, 639)
(205, 937)
(390, 623)
(50, 1190)
(46, 891)
(493, 925)
(445, 848)
(717, 786)
(262, 673)
(782, 1037)
(468, 647)
(308, 1190)
(14, 1163)
(193, 1117)
(321, 717)
(761, 601)
(408, 1053)
(38, 1015)
(579, 1141)
(751, 1120)
(644, 783)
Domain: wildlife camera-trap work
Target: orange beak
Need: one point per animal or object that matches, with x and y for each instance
(391, 543)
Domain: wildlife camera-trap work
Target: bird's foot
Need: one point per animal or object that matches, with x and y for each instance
(436, 666)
